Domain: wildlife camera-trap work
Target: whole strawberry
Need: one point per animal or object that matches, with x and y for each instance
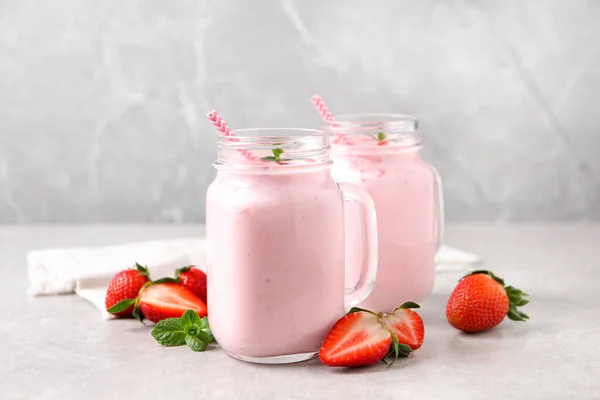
(194, 280)
(480, 302)
(123, 290)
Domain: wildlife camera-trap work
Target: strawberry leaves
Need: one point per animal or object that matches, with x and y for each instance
(517, 299)
(181, 270)
(121, 306)
(397, 349)
(408, 305)
(190, 329)
(142, 270)
(358, 309)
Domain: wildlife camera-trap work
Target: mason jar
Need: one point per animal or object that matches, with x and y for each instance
(276, 239)
(380, 153)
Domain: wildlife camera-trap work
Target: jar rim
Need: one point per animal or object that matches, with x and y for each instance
(377, 130)
(360, 122)
(250, 136)
(282, 147)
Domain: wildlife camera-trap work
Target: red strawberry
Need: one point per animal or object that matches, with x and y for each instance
(194, 280)
(158, 301)
(363, 337)
(480, 301)
(124, 288)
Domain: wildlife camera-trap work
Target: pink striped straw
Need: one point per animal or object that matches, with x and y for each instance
(328, 117)
(222, 127)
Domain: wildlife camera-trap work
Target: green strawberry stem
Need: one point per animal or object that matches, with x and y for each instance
(397, 349)
(181, 270)
(143, 270)
(121, 306)
(190, 329)
(516, 297)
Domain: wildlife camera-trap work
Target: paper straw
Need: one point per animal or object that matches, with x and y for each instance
(222, 127)
(328, 117)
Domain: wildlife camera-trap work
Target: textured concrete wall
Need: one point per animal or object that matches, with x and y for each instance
(102, 103)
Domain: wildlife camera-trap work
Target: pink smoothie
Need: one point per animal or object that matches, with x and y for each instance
(276, 261)
(403, 188)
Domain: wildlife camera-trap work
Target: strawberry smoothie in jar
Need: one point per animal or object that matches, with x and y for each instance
(380, 153)
(276, 239)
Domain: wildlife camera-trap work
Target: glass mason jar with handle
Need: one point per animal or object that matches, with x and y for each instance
(275, 229)
(380, 154)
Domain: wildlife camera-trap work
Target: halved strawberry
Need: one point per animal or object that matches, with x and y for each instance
(356, 340)
(407, 325)
(363, 337)
(162, 300)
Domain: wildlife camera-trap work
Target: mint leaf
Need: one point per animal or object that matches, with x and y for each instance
(277, 152)
(204, 324)
(121, 306)
(202, 330)
(195, 343)
(189, 318)
(190, 329)
(169, 332)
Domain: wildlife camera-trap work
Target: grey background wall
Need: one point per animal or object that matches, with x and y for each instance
(102, 103)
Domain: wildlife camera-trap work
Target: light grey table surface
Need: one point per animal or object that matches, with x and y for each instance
(60, 348)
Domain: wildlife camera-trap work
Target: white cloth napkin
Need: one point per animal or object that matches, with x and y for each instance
(87, 271)
(451, 259)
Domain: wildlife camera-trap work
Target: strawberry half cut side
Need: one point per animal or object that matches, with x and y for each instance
(363, 337)
(407, 325)
(356, 340)
(161, 300)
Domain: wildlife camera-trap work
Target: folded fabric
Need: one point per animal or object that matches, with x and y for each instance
(87, 271)
(451, 259)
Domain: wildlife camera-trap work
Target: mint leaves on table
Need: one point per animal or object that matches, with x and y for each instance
(277, 152)
(190, 329)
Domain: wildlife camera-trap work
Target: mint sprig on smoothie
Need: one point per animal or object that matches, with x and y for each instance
(380, 137)
(276, 157)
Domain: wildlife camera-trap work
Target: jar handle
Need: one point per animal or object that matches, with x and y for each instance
(439, 210)
(368, 226)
